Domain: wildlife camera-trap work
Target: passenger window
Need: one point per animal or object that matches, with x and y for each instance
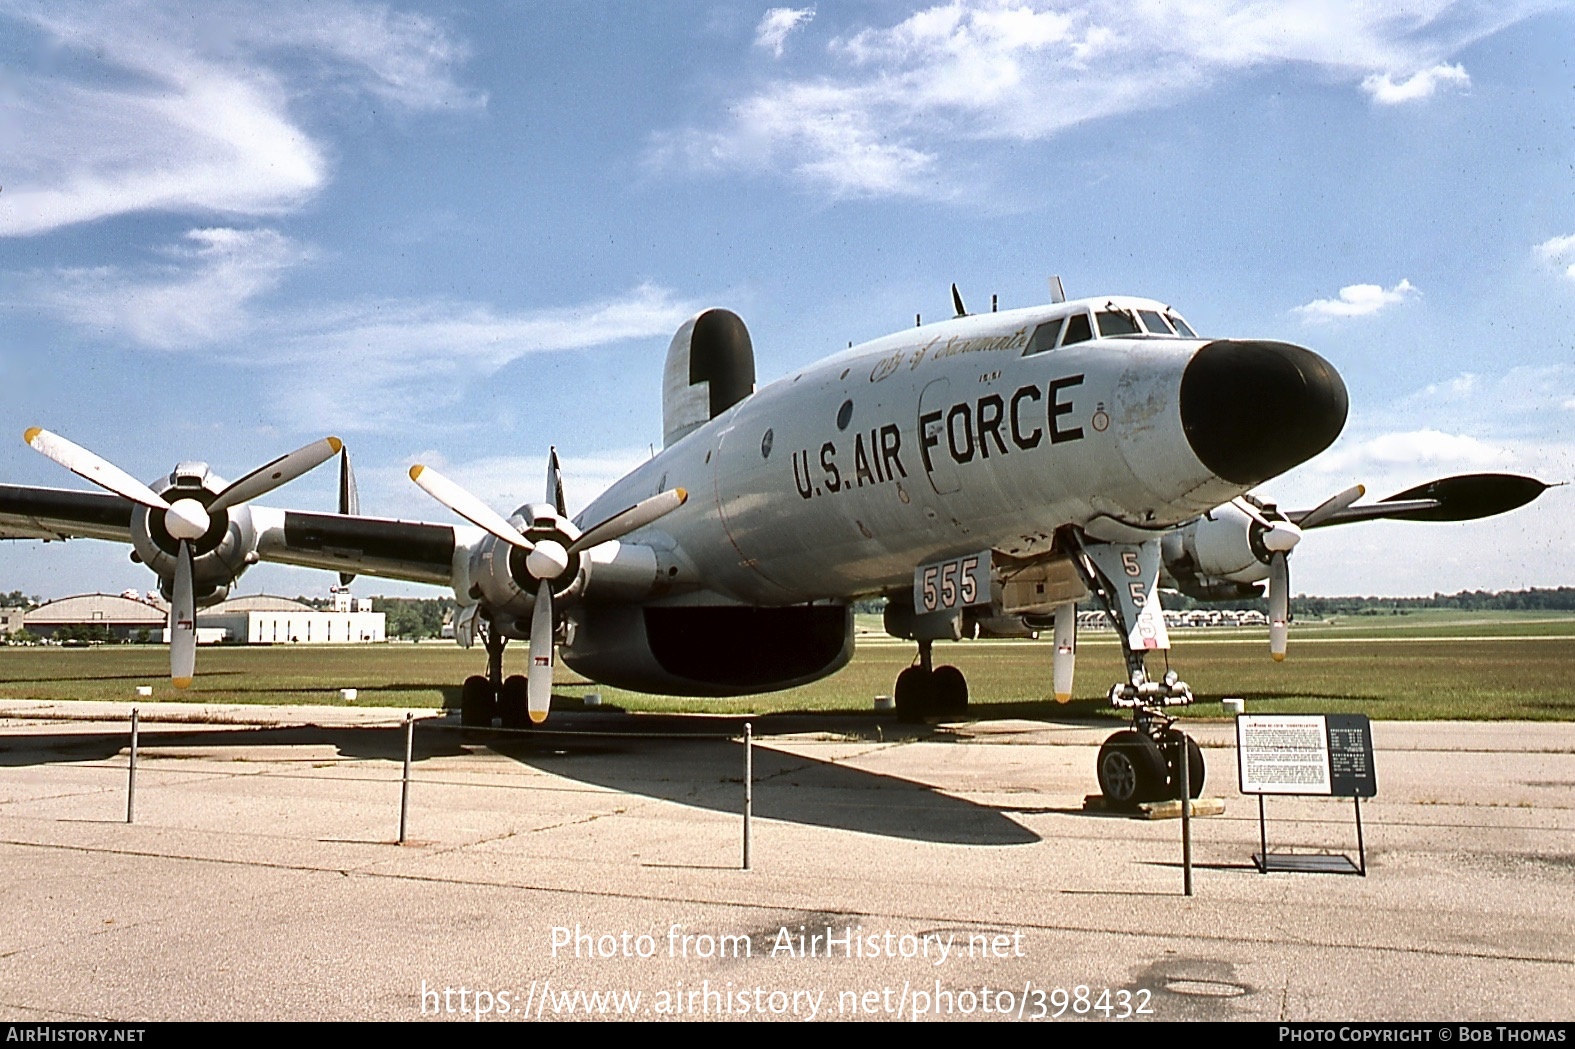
(1044, 337)
(1154, 323)
(1112, 323)
(1077, 329)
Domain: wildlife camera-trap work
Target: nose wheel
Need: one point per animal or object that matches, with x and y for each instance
(1143, 763)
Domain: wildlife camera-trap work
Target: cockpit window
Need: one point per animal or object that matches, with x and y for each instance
(1044, 337)
(1112, 323)
(1181, 327)
(1154, 323)
(1077, 329)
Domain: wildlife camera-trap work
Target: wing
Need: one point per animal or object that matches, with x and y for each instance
(55, 513)
(408, 550)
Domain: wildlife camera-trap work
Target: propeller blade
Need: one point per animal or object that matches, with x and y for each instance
(1065, 649)
(349, 497)
(538, 683)
(183, 622)
(625, 521)
(555, 483)
(282, 470)
(1331, 506)
(91, 467)
(467, 506)
(1251, 511)
(1279, 605)
(349, 501)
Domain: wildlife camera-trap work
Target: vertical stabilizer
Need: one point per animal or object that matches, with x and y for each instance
(710, 367)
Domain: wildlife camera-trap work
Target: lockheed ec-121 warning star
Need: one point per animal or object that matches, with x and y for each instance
(984, 473)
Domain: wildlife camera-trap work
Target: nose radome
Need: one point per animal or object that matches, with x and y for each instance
(1252, 410)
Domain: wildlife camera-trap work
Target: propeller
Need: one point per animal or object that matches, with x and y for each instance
(546, 559)
(186, 519)
(1277, 538)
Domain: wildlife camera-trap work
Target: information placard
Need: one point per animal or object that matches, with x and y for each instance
(1306, 754)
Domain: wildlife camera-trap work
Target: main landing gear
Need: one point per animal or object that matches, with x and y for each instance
(925, 690)
(483, 698)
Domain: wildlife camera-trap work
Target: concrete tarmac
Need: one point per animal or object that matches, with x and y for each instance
(595, 873)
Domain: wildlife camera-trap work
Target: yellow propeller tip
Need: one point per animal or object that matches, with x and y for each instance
(683, 494)
(1279, 657)
(181, 682)
(416, 471)
(28, 435)
(537, 717)
(336, 444)
(1063, 697)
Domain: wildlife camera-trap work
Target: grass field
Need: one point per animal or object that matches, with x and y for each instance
(1422, 665)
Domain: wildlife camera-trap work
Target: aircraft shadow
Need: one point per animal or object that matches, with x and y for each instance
(678, 758)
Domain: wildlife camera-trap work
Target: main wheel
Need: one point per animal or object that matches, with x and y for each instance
(1195, 769)
(1131, 769)
(914, 694)
(513, 707)
(951, 690)
(476, 702)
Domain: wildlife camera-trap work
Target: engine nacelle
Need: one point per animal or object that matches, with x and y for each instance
(219, 556)
(707, 650)
(612, 570)
(1218, 556)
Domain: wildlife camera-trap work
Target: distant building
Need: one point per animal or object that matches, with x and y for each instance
(256, 620)
(125, 618)
(264, 620)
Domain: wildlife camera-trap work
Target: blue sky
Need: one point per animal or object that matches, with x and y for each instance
(460, 236)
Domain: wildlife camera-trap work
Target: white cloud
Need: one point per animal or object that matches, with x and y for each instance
(1356, 300)
(376, 364)
(174, 108)
(367, 364)
(198, 299)
(1384, 90)
(1426, 447)
(777, 23)
(896, 101)
(1558, 251)
(503, 482)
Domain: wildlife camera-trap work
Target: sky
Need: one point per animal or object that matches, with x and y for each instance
(461, 236)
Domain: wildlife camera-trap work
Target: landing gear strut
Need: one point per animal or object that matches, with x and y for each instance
(925, 690)
(1142, 763)
(484, 698)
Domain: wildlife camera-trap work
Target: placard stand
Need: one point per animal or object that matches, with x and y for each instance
(1294, 863)
(1307, 755)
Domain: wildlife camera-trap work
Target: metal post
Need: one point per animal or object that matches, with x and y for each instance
(1361, 846)
(404, 785)
(1185, 763)
(749, 784)
(1263, 838)
(131, 776)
